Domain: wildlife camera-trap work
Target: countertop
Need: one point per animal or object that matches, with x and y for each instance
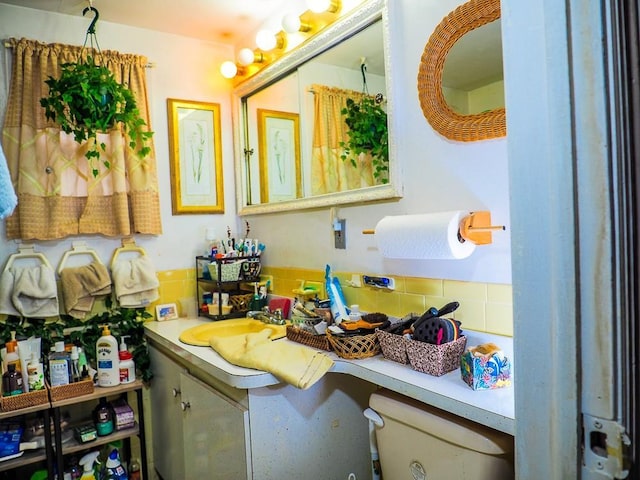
(493, 408)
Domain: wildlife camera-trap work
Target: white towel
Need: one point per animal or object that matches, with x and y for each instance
(6, 289)
(35, 293)
(135, 282)
(8, 199)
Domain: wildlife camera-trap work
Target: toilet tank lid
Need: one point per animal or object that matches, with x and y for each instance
(440, 424)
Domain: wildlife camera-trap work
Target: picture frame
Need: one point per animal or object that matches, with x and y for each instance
(279, 155)
(167, 311)
(195, 154)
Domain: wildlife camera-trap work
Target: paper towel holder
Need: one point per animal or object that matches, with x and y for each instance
(475, 227)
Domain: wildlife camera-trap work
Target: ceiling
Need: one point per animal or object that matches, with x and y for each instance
(224, 21)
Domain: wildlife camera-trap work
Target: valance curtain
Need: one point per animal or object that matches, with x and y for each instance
(57, 194)
(329, 172)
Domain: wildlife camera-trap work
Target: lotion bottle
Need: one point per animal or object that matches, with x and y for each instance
(107, 359)
(127, 366)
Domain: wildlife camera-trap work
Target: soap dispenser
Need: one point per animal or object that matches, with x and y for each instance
(107, 359)
(127, 366)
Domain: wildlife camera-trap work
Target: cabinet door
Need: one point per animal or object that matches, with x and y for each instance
(216, 433)
(166, 416)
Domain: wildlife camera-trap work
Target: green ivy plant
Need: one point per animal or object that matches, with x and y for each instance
(86, 100)
(367, 122)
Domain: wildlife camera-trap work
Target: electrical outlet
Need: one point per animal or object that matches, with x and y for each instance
(340, 234)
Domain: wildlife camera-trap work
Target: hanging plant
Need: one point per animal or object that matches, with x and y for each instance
(367, 122)
(86, 100)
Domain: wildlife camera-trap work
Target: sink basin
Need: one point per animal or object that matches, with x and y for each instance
(201, 334)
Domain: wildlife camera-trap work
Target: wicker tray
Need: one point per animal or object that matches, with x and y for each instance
(24, 400)
(435, 359)
(240, 302)
(355, 346)
(62, 392)
(306, 338)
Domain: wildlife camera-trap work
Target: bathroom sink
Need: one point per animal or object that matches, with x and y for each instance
(201, 334)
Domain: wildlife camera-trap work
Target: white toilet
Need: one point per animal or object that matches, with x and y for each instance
(419, 442)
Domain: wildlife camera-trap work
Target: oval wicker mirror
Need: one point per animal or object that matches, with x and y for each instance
(453, 125)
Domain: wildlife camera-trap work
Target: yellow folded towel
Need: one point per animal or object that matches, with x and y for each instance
(295, 364)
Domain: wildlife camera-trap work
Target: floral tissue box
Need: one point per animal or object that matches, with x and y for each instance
(485, 367)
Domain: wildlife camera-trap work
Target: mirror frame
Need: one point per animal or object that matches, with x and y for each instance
(342, 29)
(453, 125)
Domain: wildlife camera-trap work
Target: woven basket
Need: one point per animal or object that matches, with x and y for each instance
(296, 334)
(24, 400)
(240, 303)
(355, 346)
(62, 392)
(394, 347)
(435, 359)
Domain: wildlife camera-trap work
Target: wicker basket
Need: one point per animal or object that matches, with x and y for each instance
(394, 347)
(62, 392)
(354, 346)
(299, 335)
(435, 359)
(24, 400)
(240, 303)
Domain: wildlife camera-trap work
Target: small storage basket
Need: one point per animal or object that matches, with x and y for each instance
(435, 359)
(229, 272)
(240, 303)
(394, 347)
(76, 389)
(24, 400)
(355, 346)
(299, 335)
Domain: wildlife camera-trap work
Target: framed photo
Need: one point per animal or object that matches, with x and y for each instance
(279, 155)
(168, 311)
(195, 153)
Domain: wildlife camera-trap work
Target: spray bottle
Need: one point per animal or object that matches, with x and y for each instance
(87, 462)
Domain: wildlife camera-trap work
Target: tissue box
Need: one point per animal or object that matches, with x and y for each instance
(485, 372)
(123, 417)
(10, 434)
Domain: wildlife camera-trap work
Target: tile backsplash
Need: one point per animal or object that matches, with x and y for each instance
(484, 307)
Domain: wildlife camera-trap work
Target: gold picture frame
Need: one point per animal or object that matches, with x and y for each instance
(279, 156)
(195, 154)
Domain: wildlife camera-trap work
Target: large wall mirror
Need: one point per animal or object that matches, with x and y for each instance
(287, 151)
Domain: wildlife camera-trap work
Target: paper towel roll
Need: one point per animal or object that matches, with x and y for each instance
(424, 236)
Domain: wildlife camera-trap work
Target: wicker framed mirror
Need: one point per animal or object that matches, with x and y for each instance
(439, 114)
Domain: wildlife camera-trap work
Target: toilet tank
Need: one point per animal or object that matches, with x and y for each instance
(420, 442)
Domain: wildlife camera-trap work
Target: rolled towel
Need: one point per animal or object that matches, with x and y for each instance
(82, 285)
(35, 294)
(135, 282)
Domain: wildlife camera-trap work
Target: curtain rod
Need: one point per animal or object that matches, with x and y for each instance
(148, 65)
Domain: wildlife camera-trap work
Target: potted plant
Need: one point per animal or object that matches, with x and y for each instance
(86, 100)
(367, 122)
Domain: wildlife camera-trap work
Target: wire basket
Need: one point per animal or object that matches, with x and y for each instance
(299, 335)
(354, 346)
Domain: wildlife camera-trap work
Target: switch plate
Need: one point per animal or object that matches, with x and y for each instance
(340, 234)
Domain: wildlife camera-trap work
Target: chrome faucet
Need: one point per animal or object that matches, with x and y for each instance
(266, 316)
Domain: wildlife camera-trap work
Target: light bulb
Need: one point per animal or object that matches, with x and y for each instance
(246, 56)
(266, 40)
(291, 23)
(228, 69)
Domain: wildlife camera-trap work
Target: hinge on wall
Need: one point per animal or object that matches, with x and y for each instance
(606, 447)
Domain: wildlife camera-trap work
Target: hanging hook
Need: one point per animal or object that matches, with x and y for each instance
(363, 69)
(92, 27)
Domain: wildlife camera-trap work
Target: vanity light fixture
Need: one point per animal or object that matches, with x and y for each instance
(229, 69)
(291, 23)
(246, 56)
(267, 40)
(320, 6)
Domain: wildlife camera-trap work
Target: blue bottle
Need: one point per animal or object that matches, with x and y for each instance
(115, 470)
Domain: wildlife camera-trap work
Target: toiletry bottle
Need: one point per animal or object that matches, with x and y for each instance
(35, 374)
(11, 382)
(134, 470)
(59, 366)
(82, 358)
(75, 368)
(87, 462)
(107, 359)
(12, 356)
(115, 470)
(103, 418)
(127, 366)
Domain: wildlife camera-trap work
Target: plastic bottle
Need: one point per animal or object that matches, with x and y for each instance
(115, 470)
(107, 359)
(74, 470)
(134, 470)
(35, 374)
(59, 366)
(75, 368)
(103, 418)
(11, 382)
(12, 356)
(127, 366)
(87, 462)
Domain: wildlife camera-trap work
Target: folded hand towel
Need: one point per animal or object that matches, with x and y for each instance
(8, 199)
(135, 282)
(295, 364)
(35, 294)
(81, 286)
(6, 288)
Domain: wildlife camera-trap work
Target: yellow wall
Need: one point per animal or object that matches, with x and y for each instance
(485, 307)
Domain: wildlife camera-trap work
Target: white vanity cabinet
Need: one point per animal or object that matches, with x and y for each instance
(211, 429)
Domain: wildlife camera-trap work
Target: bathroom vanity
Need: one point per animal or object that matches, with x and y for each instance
(212, 417)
